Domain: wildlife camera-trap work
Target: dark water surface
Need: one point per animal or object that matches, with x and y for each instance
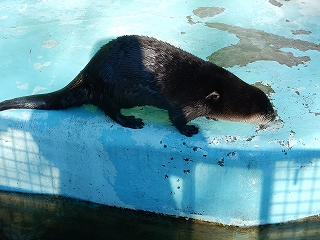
(29, 216)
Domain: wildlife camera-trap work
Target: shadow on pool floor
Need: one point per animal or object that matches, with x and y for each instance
(30, 216)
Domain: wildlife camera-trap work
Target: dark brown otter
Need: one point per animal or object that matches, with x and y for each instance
(136, 71)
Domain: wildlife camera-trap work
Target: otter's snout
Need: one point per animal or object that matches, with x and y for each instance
(270, 117)
(265, 117)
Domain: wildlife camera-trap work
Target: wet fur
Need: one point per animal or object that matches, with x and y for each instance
(136, 71)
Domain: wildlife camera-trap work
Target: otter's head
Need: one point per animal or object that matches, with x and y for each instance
(234, 100)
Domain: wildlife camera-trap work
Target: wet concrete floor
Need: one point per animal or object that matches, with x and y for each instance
(29, 216)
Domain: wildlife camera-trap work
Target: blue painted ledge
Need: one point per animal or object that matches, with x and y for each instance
(230, 178)
(231, 173)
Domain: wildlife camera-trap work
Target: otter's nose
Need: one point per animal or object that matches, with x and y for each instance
(271, 116)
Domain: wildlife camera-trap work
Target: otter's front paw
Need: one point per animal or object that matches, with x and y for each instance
(189, 131)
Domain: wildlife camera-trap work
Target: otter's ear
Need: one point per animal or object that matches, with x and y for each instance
(213, 96)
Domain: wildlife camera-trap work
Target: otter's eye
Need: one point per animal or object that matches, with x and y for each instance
(213, 96)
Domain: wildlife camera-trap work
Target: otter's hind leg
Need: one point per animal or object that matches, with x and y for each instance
(126, 121)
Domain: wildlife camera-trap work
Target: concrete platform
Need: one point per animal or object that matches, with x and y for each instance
(231, 173)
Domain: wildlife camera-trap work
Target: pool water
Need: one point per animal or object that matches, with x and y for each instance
(29, 216)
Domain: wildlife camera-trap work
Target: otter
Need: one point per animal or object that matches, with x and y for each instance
(135, 70)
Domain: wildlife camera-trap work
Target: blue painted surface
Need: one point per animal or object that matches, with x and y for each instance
(231, 173)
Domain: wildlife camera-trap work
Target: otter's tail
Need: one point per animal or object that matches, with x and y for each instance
(73, 95)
